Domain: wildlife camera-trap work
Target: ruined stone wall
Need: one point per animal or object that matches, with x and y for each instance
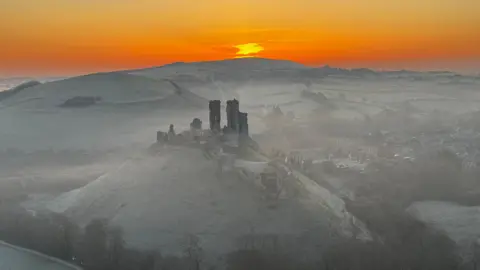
(243, 123)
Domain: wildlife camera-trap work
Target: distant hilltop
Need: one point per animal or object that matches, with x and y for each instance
(266, 63)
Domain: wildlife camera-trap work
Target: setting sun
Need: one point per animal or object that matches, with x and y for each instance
(248, 50)
(77, 37)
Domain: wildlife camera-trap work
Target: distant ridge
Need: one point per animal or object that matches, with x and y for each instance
(324, 67)
(244, 68)
(246, 62)
(272, 64)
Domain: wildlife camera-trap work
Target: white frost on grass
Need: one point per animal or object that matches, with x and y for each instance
(460, 223)
(160, 199)
(16, 258)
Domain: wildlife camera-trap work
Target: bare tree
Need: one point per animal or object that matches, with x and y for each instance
(94, 251)
(116, 247)
(193, 251)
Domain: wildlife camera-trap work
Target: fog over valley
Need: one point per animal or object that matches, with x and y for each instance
(244, 163)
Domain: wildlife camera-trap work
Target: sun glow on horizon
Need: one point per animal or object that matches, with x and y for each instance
(66, 37)
(248, 50)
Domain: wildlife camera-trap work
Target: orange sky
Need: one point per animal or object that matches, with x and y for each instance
(50, 37)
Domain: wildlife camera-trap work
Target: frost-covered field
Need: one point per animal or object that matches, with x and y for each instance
(159, 200)
(14, 258)
(85, 129)
(461, 223)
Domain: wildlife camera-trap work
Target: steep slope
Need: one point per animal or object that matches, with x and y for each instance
(106, 89)
(160, 200)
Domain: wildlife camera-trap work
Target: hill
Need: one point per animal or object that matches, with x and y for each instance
(159, 200)
(112, 89)
(15, 90)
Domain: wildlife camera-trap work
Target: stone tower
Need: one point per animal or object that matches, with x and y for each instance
(232, 114)
(215, 115)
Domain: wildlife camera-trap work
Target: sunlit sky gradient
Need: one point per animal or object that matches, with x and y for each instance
(58, 37)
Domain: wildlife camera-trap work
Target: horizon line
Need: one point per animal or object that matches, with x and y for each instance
(313, 66)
